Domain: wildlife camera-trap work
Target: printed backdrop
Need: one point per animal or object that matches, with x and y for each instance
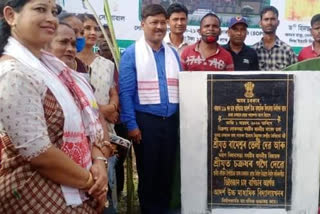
(294, 16)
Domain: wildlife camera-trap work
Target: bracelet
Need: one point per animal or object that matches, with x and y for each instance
(101, 158)
(89, 181)
(115, 106)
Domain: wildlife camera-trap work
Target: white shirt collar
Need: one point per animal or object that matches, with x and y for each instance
(184, 43)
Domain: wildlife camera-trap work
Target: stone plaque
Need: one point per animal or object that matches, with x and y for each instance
(249, 141)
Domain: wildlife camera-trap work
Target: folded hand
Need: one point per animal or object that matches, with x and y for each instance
(100, 177)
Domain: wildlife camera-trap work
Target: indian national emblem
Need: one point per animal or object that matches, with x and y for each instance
(249, 86)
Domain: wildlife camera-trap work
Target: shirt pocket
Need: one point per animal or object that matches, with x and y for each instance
(262, 65)
(281, 65)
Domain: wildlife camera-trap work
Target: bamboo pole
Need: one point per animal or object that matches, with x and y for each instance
(111, 29)
(130, 185)
(109, 42)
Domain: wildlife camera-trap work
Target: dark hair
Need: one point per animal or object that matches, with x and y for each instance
(176, 8)
(210, 15)
(66, 24)
(267, 9)
(315, 18)
(152, 10)
(85, 16)
(59, 8)
(5, 29)
(65, 15)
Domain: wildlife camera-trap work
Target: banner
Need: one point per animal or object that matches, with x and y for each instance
(294, 16)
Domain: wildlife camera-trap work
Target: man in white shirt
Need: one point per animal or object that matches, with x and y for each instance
(177, 21)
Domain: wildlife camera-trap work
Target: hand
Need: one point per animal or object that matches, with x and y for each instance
(114, 149)
(135, 135)
(112, 117)
(99, 173)
(106, 149)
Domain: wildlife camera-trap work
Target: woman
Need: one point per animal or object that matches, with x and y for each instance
(63, 46)
(77, 26)
(53, 160)
(102, 72)
(102, 79)
(100, 84)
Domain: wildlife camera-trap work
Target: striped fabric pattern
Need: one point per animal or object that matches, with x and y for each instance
(147, 74)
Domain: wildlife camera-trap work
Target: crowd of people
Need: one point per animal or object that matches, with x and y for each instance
(218, 6)
(59, 100)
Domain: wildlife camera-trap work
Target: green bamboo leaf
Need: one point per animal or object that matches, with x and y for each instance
(111, 29)
(109, 42)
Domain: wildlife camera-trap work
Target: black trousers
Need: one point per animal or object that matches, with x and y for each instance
(155, 156)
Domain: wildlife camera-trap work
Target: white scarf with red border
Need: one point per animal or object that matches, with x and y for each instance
(73, 94)
(147, 74)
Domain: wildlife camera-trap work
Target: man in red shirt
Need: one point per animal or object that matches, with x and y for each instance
(207, 54)
(313, 50)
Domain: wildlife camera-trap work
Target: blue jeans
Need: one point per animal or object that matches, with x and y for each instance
(112, 179)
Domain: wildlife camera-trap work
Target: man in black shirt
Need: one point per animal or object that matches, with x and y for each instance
(244, 57)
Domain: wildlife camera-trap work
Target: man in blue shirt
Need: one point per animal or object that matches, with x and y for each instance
(148, 84)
